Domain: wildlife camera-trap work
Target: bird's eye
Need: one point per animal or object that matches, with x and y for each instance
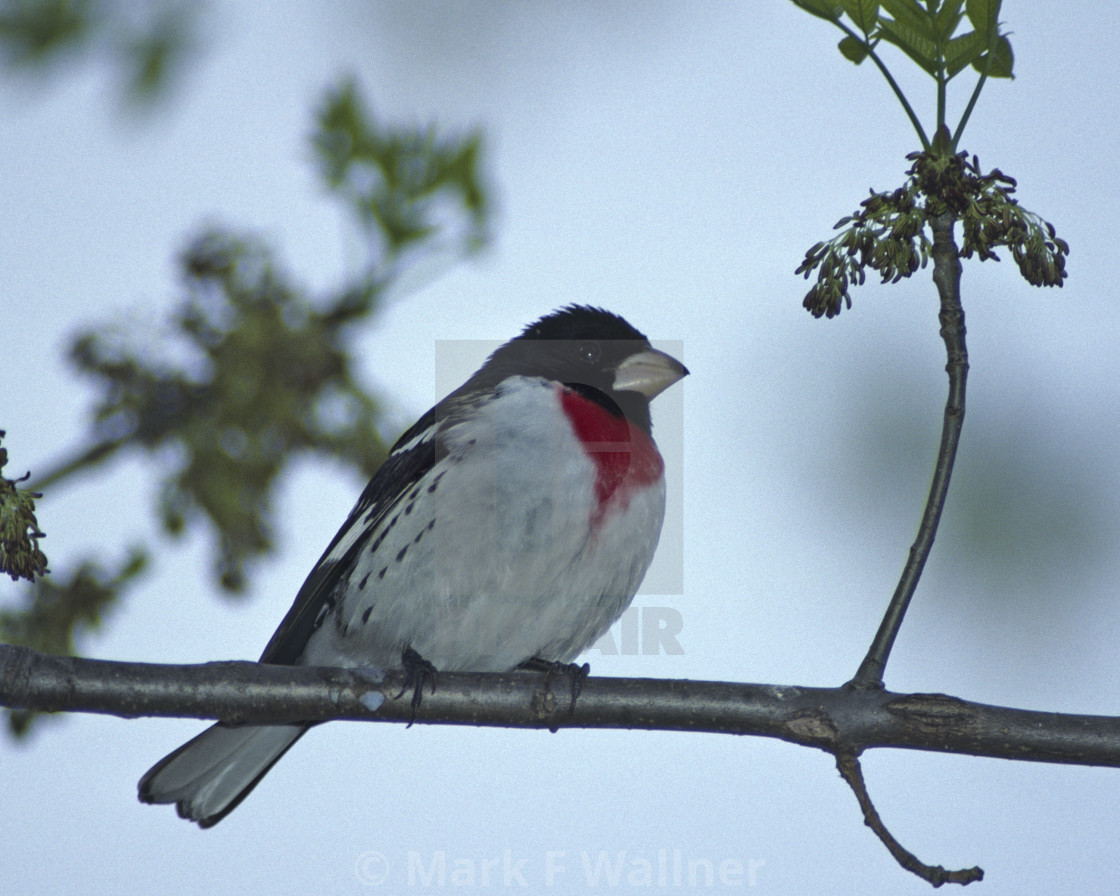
(588, 352)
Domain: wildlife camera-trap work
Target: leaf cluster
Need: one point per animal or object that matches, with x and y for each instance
(20, 554)
(924, 31)
(990, 216)
(888, 233)
(927, 32)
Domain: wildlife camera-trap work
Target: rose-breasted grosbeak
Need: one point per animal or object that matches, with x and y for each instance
(512, 523)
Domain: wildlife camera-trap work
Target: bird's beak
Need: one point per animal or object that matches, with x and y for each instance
(649, 372)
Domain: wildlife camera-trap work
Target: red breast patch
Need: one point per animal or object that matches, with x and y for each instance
(625, 457)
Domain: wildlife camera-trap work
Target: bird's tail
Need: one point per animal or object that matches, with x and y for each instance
(210, 775)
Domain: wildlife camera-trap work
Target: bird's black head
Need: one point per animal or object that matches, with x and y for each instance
(579, 322)
(592, 351)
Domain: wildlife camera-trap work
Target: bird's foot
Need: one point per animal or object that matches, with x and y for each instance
(576, 673)
(417, 672)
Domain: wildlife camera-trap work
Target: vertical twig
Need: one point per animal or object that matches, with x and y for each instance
(947, 276)
(886, 73)
(972, 100)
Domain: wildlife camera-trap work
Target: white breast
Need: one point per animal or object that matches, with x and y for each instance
(495, 559)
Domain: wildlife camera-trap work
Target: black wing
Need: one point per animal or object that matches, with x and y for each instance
(410, 460)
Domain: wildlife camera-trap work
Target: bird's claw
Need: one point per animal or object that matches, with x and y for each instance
(417, 672)
(576, 673)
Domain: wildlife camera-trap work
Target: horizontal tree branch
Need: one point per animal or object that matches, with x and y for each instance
(839, 720)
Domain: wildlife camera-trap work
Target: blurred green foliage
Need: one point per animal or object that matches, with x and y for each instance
(147, 43)
(57, 609)
(395, 180)
(888, 233)
(250, 372)
(271, 377)
(1020, 518)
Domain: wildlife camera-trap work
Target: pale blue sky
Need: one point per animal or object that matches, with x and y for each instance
(671, 162)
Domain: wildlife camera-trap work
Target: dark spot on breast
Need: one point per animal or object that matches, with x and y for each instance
(381, 535)
(435, 482)
(414, 494)
(362, 583)
(408, 509)
(365, 615)
(401, 553)
(381, 574)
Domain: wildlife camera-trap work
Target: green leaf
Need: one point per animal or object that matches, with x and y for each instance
(961, 51)
(865, 13)
(854, 49)
(948, 18)
(984, 16)
(910, 14)
(915, 45)
(822, 9)
(1003, 60)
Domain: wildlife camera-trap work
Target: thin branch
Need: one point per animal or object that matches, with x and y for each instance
(989, 56)
(971, 105)
(890, 80)
(849, 768)
(947, 276)
(837, 720)
(92, 456)
(942, 85)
